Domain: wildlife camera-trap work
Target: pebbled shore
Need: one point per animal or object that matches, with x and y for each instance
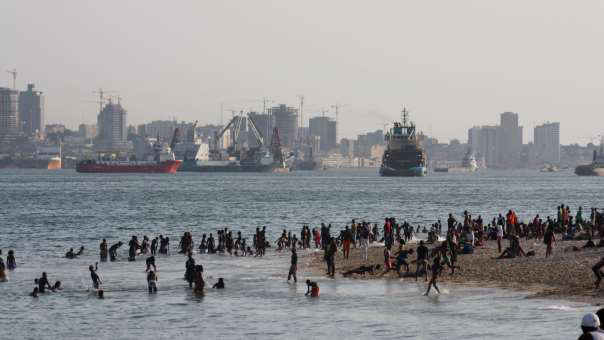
(565, 275)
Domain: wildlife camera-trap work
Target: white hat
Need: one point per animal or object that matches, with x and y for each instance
(590, 320)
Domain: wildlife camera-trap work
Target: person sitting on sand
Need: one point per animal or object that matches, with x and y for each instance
(362, 270)
(513, 250)
(589, 244)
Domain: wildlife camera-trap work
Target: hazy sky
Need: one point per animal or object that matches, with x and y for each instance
(455, 64)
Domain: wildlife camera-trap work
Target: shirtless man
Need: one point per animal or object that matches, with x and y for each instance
(96, 280)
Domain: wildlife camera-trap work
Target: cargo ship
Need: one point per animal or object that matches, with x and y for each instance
(162, 161)
(46, 157)
(403, 155)
(596, 168)
(237, 157)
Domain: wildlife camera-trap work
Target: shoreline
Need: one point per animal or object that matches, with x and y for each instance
(565, 275)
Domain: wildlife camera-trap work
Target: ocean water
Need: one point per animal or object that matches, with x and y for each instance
(43, 214)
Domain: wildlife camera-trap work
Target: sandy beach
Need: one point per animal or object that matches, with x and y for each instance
(566, 275)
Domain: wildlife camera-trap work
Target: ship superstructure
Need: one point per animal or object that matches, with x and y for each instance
(403, 155)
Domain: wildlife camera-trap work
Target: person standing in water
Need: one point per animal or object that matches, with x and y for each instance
(43, 283)
(113, 251)
(96, 280)
(11, 263)
(190, 270)
(199, 282)
(152, 282)
(103, 250)
(294, 266)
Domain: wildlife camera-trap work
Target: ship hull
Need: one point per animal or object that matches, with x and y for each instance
(589, 170)
(165, 167)
(191, 166)
(48, 164)
(417, 171)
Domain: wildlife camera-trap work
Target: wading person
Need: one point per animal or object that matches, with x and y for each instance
(152, 282)
(103, 250)
(293, 267)
(436, 269)
(96, 280)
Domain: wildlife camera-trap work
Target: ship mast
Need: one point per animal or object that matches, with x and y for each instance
(404, 116)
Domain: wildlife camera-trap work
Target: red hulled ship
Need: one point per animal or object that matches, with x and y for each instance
(165, 167)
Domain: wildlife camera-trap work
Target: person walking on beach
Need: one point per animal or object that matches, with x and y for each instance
(347, 238)
(549, 239)
(330, 257)
(294, 266)
(436, 268)
(364, 231)
(499, 237)
(422, 260)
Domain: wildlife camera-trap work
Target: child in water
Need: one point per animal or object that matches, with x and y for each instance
(219, 284)
(312, 288)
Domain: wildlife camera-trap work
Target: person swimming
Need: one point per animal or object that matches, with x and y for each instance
(70, 254)
(312, 288)
(57, 286)
(219, 284)
(35, 292)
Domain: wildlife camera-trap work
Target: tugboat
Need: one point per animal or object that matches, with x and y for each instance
(596, 168)
(403, 155)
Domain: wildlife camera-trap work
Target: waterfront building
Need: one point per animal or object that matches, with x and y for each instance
(547, 143)
(324, 128)
(112, 129)
(9, 114)
(285, 119)
(31, 111)
(509, 143)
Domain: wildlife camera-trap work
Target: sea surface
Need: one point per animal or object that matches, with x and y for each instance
(44, 213)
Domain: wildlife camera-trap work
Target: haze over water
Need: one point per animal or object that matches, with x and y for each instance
(46, 213)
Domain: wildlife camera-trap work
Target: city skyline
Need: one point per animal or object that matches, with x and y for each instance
(454, 65)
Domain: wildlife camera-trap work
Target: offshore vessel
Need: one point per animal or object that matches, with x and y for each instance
(468, 164)
(403, 155)
(596, 168)
(237, 158)
(160, 161)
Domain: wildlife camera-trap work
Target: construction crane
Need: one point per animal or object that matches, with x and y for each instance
(13, 72)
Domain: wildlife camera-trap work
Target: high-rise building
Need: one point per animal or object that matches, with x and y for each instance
(112, 129)
(87, 131)
(325, 128)
(31, 111)
(547, 143)
(474, 138)
(9, 114)
(509, 143)
(285, 119)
